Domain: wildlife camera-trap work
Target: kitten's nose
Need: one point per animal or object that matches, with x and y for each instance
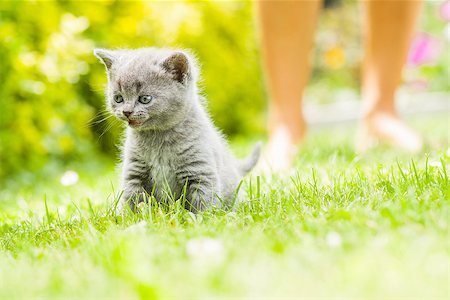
(127, 113)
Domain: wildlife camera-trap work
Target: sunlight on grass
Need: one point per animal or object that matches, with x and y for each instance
(374, 225)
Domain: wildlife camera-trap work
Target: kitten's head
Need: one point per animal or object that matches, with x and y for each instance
(149, 88)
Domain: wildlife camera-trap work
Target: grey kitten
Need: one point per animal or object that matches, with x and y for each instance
(171, 146)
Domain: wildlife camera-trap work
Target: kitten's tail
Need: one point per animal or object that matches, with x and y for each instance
(250, 161)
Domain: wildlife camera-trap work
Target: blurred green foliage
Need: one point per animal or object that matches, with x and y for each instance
(51, 86)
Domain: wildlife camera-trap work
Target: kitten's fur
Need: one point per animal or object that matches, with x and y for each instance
(171, 143)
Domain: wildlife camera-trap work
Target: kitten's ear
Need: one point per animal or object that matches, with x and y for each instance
(107, 57)
(178, 66)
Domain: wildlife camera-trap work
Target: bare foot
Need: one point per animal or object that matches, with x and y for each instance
(280, 151)
(388, 128)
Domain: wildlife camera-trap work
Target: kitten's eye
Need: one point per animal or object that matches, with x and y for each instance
(145, 99)
(118, 98)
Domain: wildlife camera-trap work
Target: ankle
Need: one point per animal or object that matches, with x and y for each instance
(292, 132)
(378, 104)
(373, 114)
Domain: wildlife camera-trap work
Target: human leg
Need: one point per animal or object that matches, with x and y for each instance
(389, 28)
(287, 32)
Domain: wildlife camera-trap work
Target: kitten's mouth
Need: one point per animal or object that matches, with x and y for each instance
(135, 123)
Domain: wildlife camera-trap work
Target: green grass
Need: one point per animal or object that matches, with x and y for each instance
(340, 225)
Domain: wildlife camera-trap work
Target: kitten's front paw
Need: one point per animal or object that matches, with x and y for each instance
(195, 206)
(202, 202)
(132, 200)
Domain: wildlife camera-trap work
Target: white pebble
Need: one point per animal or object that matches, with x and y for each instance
(333, 239)
(205, 249)
(69, 178)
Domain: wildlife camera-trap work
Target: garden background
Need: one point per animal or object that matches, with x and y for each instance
(340, 224)
(52, 87)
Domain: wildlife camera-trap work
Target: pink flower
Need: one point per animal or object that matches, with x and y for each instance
(424, 49)
(445, 10)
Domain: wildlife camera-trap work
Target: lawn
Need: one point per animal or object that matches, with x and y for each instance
(339, 225)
